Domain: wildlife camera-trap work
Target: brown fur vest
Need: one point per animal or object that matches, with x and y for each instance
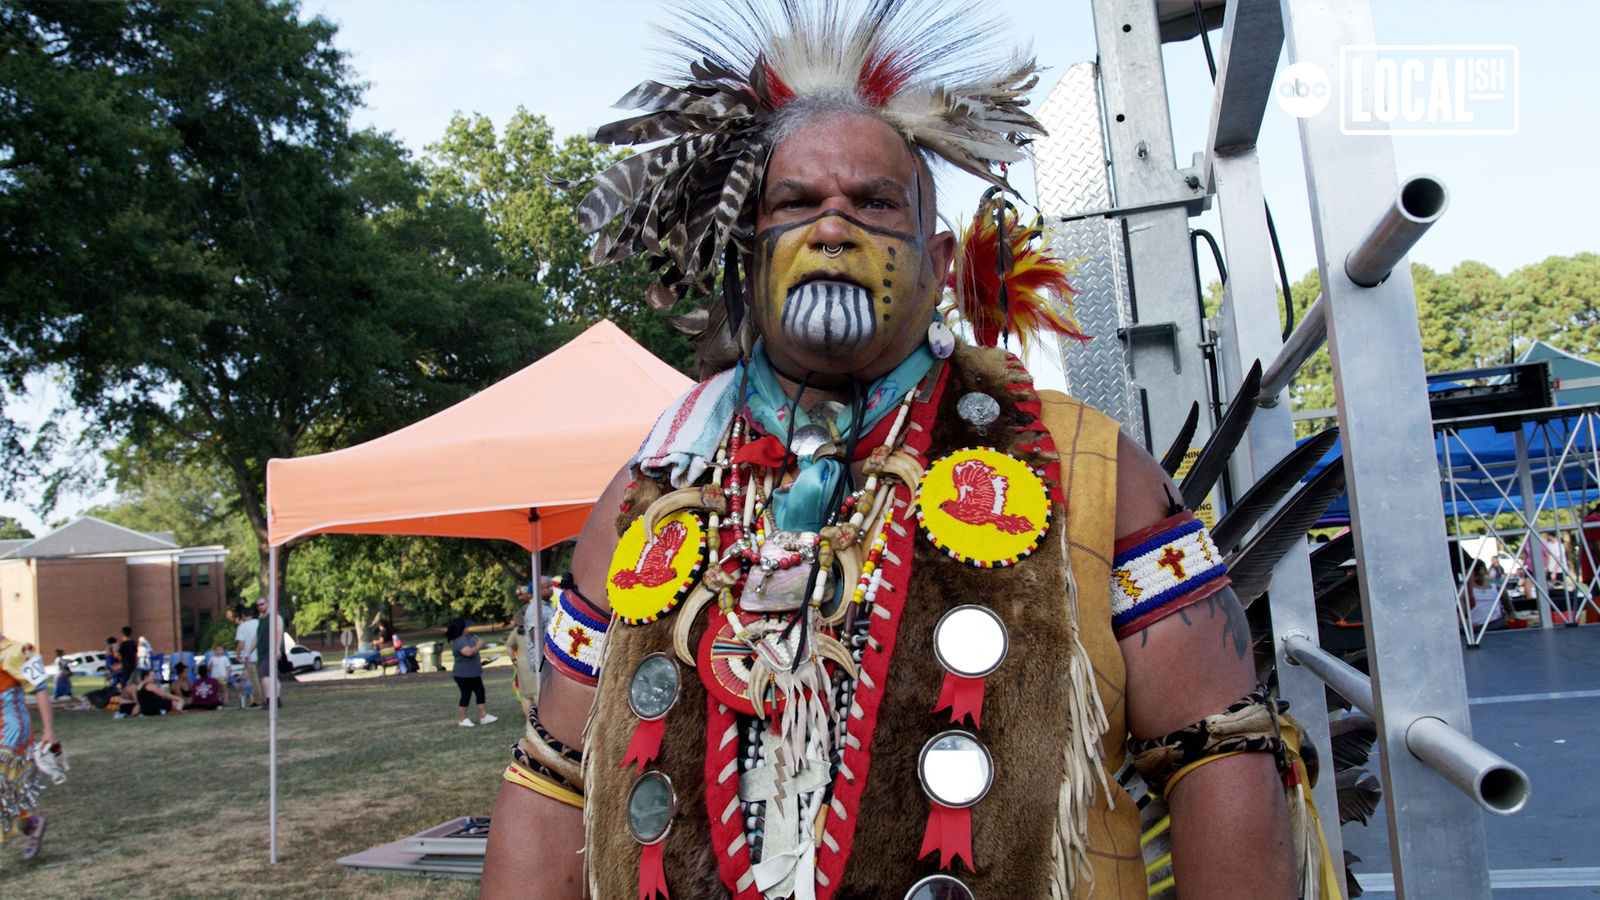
(1019, 829)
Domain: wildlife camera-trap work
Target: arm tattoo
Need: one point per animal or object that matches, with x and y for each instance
(1234, 624)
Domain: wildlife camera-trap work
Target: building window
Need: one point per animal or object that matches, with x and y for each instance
(185, 576)
(202, 574)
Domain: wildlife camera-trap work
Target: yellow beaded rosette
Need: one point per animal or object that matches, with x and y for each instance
(983, 507)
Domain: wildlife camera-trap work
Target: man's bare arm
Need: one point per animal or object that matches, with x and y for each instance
(1230, 827)
(534, 846)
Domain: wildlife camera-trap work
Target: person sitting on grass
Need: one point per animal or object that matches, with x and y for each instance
(155, 700)
(128, 699)
(181, 685)
(206, 694)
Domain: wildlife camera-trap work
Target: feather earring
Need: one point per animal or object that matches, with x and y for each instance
(1005, 280)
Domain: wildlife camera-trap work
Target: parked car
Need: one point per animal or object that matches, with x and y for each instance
(302, 657)
(90, 663)
(372, 659)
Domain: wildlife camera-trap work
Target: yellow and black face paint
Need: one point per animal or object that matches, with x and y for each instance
(837, 305)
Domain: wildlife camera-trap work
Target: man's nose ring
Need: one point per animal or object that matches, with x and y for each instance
(831, 252)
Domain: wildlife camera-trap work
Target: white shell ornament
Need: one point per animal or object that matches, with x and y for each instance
(940, 340)
(970, 641)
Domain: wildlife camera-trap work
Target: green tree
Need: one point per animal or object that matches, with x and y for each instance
(1556, 301)
(341, 580)
(209, 256)
(506, 179)
(196, 501)
(12, 530)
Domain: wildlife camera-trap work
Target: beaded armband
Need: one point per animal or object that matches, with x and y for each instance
(1159, 570)
(545, 757)
(1249, 726)
(573, 639)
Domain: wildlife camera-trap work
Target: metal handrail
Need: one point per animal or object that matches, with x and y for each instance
(1495, 784)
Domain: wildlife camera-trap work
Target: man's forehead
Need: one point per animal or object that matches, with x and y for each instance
(847, 150)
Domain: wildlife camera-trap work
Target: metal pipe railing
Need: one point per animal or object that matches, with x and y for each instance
(1497, 785)
(1422, 199)
(1306, 339)
(1344, 678)
(1492, 782)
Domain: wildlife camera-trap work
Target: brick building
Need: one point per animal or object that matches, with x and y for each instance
(81, 583)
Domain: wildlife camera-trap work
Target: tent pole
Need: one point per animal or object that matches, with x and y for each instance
(272, 705)
(536, 537)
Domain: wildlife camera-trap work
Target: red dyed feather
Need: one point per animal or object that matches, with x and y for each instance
(1038, 295)
(777, 92)
(883, 74)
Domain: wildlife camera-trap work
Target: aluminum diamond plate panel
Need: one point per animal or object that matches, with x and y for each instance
(1070, 167)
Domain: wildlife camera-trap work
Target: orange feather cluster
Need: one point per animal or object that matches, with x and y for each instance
(1038, 298)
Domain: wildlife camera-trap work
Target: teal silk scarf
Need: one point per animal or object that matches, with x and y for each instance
(804, 506)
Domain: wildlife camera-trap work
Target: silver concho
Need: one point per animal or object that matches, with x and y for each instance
(939, 887)
(809, 439)
(650, 806)
(970, 641)
(978, 408)
(955, 770)
(832, 317)
(654, 687)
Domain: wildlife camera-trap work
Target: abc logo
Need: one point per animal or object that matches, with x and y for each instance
(1302, 90)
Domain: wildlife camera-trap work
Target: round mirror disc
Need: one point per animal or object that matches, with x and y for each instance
(939, 887)
(970, 641)
(955, 769)
(650, 807)
(654, 687)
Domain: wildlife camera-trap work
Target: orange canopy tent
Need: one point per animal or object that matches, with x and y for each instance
(523, 461)
(546, 440)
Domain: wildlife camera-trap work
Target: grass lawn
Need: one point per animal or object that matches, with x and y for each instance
(176, 806)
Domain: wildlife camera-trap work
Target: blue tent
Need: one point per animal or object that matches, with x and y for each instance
(1475, 454)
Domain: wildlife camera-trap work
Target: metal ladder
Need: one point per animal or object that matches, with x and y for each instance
(1109, 183)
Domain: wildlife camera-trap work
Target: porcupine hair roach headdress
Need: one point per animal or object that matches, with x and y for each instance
(933, 73)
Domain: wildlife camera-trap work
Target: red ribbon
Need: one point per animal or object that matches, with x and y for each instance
(949, 832)
(964, 696)
(646, 744)
(652, 878)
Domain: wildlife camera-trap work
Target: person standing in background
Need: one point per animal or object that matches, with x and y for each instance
(220, 669)
(523, 645)
(269, 646)
(245, 638)
(128, 655)
(468, 670)
(145, 652)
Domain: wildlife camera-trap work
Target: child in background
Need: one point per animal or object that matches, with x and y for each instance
(221, 670)
(63, 676)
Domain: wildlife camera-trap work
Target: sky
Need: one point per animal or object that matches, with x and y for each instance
(1514, 200)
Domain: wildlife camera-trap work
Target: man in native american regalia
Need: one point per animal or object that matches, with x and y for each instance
(877, 619)
(23, 761)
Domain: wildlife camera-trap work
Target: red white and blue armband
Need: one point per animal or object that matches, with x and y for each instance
(573, 639)
(1159, 570)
